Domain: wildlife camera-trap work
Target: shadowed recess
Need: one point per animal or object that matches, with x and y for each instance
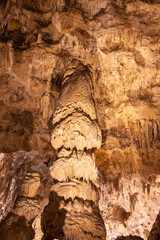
(16, 228)
(53, 219)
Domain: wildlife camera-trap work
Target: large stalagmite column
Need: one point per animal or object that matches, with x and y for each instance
(76, 135)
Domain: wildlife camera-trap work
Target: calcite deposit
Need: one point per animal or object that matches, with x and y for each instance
(79, 119)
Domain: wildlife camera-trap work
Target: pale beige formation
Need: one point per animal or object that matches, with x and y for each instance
(71, 133)
(80, 167)
(77, 132)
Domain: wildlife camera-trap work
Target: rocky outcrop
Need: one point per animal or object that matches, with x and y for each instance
(25, 184)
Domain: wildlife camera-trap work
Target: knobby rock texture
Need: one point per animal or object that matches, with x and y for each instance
(79, 119)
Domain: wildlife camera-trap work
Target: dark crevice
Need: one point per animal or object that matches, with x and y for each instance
(42, 23)
(53, 218)
(15, 227)
(130, 237)
(56, 82)
(155, 231)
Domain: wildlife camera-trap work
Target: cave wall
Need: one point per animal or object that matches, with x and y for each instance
(80, 101)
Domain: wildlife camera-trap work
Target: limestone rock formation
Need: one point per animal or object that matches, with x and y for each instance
(77, 132)
(79, 119)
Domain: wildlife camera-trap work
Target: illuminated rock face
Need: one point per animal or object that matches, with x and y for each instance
(75, 136)
(79, 119)
(132, 209)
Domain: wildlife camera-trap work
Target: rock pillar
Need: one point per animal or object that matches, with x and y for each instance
(76, 136)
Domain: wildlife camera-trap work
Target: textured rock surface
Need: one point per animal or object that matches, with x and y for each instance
(79, 91)
(77, 132)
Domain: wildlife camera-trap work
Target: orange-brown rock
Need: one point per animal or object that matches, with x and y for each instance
(79, 119)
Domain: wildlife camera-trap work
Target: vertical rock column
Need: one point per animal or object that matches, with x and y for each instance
(76, 135)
